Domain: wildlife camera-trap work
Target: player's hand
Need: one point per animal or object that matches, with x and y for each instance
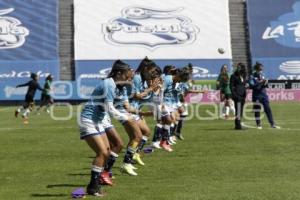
(131, 118)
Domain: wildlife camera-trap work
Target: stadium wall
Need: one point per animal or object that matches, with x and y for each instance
(240, 50)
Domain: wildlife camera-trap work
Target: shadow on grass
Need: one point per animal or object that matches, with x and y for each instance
(65, 185)
(49, 195)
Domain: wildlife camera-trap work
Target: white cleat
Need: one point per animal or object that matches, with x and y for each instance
(137, 158)
(156, 145)
(171, 141)
(132, 166)
(127, 168)
(259, 127)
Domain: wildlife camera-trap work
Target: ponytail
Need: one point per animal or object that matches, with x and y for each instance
(118, 67)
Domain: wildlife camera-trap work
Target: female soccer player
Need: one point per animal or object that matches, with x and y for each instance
(46, 99)
(223, 83)
(145, 82)
(33, 85)
(169, 108)
(258, 84)
(91, 128)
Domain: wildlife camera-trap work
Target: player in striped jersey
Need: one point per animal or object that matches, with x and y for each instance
(91, 127)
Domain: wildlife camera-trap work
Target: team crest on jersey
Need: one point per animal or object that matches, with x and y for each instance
(12, 35)
(150, 28)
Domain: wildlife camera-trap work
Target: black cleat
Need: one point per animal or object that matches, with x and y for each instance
(179, 136)
(94, 190)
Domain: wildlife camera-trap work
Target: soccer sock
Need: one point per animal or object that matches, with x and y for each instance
(157, 132)
(227, 109)
(130, 152)
(222, 108)
(20, 109)
(142, 143)
(27, 111)
(175, 127)
(231, 106)
(95, 174)
(110, 161)
(232, 110)
(165, 132)
(186, 109)
(172, 129)
(180, 124)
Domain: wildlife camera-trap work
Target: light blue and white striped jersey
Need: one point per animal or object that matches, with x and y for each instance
(180, 89)
(95, 108)
(139, 87)
(120, 98)
(169, 89)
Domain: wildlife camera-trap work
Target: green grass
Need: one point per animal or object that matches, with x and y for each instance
(46, 160)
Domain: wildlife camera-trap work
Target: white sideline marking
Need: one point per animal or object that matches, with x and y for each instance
(285, 129)
(248, 126)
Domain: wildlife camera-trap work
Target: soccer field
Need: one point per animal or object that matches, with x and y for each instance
(46, 160)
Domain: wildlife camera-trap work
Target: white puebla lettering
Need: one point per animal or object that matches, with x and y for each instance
(150, 28)
(159, 28)
(281, 30)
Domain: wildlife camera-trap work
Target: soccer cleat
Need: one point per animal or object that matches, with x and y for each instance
(166, 146)
(174, 138)
(276, 127)
(94, 190)
(171, 141)
(16, 113)
(259, 127)
(156, 145)
(127, 168)
(105, 178)
(132, 166)
(179, 136)
(137, 158)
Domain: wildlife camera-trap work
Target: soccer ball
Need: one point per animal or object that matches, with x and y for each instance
(221, 50)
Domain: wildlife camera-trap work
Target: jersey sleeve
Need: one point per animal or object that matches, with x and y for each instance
(136, 85)
(110, 93)
(25, 84)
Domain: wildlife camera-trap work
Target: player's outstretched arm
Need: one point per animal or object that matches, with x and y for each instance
(23, 85)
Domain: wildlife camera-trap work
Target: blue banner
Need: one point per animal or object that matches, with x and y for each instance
(203, 69)
(28, 40)
(275, 37)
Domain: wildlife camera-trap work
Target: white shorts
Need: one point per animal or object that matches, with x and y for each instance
(106, 122)
(88, 127)
(136, 117)
(166, 111)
